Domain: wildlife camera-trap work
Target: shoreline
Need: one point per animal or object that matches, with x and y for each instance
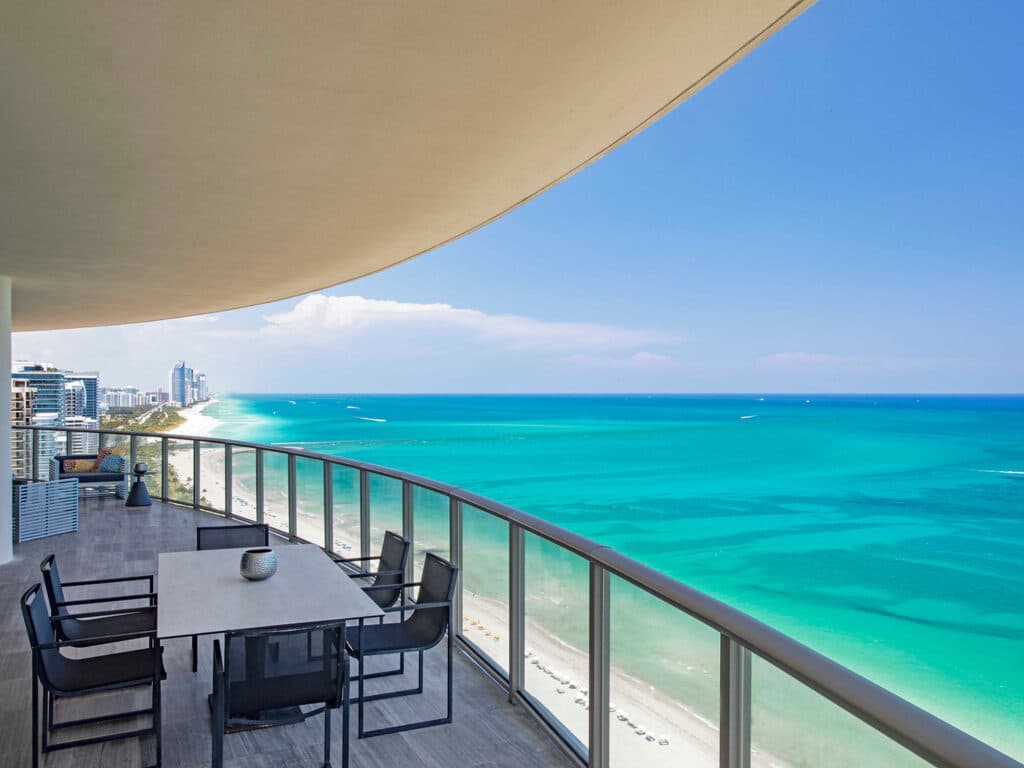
(647, 725)
(197, 423)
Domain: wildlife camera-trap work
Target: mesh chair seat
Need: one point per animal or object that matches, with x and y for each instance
(124, 624)
(390, 638)
(74, 675)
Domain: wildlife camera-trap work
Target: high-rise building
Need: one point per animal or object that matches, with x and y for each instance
(90, 380)
(179, 385)
(48, 382)
(22, 410)
(74, 398)
(201, 389)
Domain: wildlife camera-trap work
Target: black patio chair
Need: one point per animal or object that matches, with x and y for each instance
(61, 677)
(228, 537)
(390, 571)
(90, 624)
(428, 622)
(266, 675)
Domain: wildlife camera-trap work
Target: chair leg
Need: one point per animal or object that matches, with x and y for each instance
(195, 653)
(35, 717)
(157, 718)
(362, 692)
(450, 633)
(46, 721)
(419, 673)
(327, 737)
(345, 725)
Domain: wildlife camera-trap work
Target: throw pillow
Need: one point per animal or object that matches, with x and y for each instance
(110, 463)
(104, 452)
(84, 465)
(68, 465)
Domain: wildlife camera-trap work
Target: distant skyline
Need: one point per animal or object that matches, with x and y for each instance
(839, 212)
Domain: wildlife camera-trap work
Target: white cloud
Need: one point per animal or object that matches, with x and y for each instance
(319, 319)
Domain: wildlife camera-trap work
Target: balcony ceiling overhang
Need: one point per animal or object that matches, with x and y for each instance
(172, 159)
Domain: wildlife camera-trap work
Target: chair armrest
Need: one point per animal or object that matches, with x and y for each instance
(146, 577)
(371, 574)
(110, 612)
(417, 606)
(391, 586)
(354, 559)
(104, 640)
(151, 596)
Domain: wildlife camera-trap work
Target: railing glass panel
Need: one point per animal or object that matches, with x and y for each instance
(345, 497)
(179, 470)
(51, 443)
(664, 682)
(243, 483)
(557, 632)
(791, 725)
(211, 476)
(485, 583)
(275, 490)
(385, 509)
(430, 516)
(309, 480)
(149, 451)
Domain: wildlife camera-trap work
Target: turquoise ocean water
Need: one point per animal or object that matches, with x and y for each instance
(886, 532)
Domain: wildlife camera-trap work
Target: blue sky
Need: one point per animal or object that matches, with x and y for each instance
(836, 213)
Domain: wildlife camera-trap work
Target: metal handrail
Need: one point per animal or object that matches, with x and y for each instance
(936, 741)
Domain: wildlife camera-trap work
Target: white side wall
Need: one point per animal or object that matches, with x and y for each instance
(6, 529)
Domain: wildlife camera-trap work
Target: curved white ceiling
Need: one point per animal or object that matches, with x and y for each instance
(170, 159)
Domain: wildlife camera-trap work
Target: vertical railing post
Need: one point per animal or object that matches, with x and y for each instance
(455, 551)
(600, 666)
(196, 489)
(228, 480)
(165, 455)
(734, 715)
(67, 443)
(364, 513)
(516, 611)
(133, 453)
(293, 497)
(259, 485)
(408, 530)
(328, 506)
(35, 455)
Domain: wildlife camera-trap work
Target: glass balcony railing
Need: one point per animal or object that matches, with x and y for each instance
(624, 664)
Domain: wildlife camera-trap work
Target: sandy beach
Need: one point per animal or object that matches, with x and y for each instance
(647, 727)
(196, 422)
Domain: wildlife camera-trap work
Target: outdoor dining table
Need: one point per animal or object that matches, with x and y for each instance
(203, 592)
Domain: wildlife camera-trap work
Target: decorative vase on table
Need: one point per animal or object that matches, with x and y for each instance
(258, 564)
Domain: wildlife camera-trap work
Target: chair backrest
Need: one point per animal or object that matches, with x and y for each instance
(54, 590)
(232, 536)
(40, 632)
(394, 555)
(276, 668)
(437, 585)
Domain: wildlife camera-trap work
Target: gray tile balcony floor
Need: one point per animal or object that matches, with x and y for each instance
(114, 540)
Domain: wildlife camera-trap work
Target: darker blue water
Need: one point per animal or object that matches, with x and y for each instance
(884, 531)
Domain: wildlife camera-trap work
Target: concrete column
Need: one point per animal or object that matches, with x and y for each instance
(6, 529)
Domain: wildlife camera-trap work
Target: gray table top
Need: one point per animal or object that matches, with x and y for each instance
(203, 593)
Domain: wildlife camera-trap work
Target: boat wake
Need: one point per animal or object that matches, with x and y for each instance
(353, 407)
(367, 418)
(1012, 472)
(753, 416)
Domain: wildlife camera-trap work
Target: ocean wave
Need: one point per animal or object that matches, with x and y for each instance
(1014, 472)
(754, 416)
(353, 407)
(367, 418)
